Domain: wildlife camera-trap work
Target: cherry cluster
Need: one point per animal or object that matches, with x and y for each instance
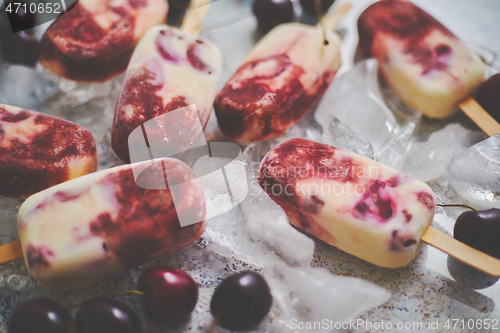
(168, 296)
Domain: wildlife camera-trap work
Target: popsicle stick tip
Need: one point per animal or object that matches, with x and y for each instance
(462, 252)
(10, 252)
(479, 116)
(195, 16)
(331, 20)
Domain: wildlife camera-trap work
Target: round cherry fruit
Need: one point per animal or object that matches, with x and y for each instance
(20, 16)
(309, 6)
(479, 229)
(170, 294)
(270, 13)
(241, 301)
(41, 315)
(106, 315)
(20, 48)
(488, 96)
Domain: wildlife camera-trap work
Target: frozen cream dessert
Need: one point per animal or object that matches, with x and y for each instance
(286, 73)
(38, 151)
(92, 227)
(349, 201)
(168, 70)
(427, 67)
(94, 40)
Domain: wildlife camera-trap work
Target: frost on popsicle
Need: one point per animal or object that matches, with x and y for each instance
(38, 151)
(94, 40)
(95, 226)
(351, 202)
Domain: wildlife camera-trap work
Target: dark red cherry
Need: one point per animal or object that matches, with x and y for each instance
(241, 301)
(309, 6)
(488, 96)
(40, 315)
(20, 48)
(171, 294)
(106, 315)
(270, 13)
(480, 229)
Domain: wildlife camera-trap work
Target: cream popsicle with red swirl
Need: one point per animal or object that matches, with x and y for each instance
(168, 70)
(94, 40)
(95, 226)
(38, 151)
(286, 73)
(351, 202)
(427, 67)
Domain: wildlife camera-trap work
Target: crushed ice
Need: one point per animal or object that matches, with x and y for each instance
(430, 159)
(309, 295)
(255, 231)
(475, 173)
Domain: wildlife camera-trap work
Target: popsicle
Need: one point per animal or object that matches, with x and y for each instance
(354, 203)
(97, 225)
(94, 41)
(426, 66)
(38, 151)
(358, 205)
(168, 70)
(286, 73)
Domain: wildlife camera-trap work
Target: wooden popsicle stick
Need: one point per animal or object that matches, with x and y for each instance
(462, 252)
(332, 19)
(195, 16)
(10, 252)
(480, 116)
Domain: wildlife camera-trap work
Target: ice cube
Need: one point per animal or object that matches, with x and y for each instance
(475, 174)
(393, 152)
(267, 223)
(308, 294)
(430, 159)
(354, 98)
(16, 277)
(255, 231)
(330, 131)
(8, 213)
(25, 87)
(75, 93)
(341, 136)
(307, 127)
